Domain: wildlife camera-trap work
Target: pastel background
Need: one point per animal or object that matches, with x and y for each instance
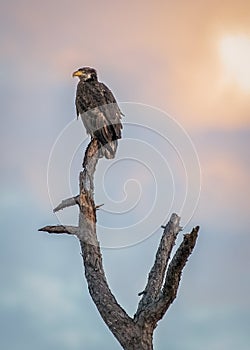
(189, 58)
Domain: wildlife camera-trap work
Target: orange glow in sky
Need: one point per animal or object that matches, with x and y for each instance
(235, 55)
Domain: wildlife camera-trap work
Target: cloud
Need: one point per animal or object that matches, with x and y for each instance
(42, 296)
(164, 54)
(225, 178)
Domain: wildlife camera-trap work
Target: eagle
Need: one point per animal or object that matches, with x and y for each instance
(98, 110)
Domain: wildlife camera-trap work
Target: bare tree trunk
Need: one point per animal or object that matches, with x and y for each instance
(133, 333)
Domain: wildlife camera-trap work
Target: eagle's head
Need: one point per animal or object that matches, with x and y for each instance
(85, 74)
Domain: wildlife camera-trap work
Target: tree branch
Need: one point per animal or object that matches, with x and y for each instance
(157, 273)
(69, 202)
(71, 230)
(173, 276)
(112, 313)
(136, 333)
(177, 264)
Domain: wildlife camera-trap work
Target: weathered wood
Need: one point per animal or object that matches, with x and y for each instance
(69, 202)
(156, 309)
(116, 318)
(163, 280)
(71, 230)
(157, 273)
(174, 272)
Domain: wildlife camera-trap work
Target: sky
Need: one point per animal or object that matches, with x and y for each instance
(180, 72)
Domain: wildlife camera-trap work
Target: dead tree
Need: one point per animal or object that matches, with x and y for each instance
(163, 280)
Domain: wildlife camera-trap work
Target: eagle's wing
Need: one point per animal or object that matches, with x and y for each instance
(100, 114)
(86, 103)
(111, 114)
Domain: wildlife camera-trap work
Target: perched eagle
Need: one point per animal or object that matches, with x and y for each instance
(99, 111)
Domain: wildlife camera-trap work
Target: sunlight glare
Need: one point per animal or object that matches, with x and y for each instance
(235, 55)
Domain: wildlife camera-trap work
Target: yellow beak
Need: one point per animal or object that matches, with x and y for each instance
(78, 73)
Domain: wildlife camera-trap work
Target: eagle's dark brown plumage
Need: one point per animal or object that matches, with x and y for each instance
(99, 111)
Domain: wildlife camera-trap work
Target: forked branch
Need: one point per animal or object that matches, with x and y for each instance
(163, 280)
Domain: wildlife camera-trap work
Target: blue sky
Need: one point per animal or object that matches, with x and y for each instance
(186, 59)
